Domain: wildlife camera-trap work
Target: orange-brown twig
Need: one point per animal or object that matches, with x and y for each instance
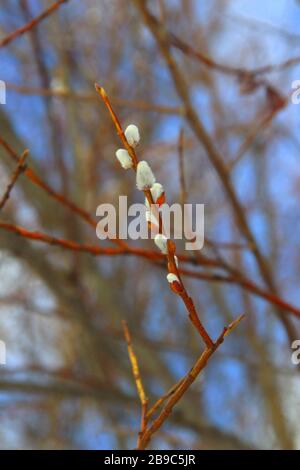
(36, 180)
(163, 398)
(81, 247)
(67, 244)
(31, 24)
(19, 169)
(137, 379)
(245, 283)
(116, 122)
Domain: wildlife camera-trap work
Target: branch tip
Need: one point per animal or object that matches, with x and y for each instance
(100, 90)
(234, 324)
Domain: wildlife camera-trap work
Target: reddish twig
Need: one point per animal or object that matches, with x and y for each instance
(36, 180)
(19, 169)
(31, 24)
(245, 283)
(50, 240)
(83, 247)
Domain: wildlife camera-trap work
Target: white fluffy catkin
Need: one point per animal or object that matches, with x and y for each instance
(144, 176)
(124, 158)
(172, 278)
(132, 135)
(161, 242)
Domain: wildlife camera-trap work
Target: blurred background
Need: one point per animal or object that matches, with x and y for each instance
(67, 381)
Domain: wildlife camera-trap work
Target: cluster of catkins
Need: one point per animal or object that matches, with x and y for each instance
(145, 180)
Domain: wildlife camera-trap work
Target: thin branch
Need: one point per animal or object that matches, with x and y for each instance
(259, 125)
(19, 169)
(36, 180)
(134, 365)
(276, 67)
(83, 247)
(31, 24)
(138, 381)
(163, 398)
(183, 191)
(227, 245)
(50, 240)
(90, 97)
(246, 284)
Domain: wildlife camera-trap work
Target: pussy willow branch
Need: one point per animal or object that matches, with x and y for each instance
(183, 385)
(31, 24)
(19, 169)
(161, 36)
(172, 267)
(147, 432)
